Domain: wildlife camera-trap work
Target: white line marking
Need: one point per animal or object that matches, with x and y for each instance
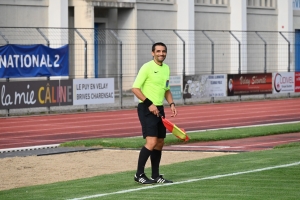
(188, 181)
(29, 148)
(236, 127)
(237, 147)
(267, 143)
(213, 147)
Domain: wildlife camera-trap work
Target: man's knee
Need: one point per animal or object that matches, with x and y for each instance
(151, 142)
(159, 144)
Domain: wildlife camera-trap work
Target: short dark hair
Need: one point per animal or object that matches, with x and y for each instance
(158, 44)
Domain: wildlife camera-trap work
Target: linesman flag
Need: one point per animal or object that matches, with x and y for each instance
(178, 132)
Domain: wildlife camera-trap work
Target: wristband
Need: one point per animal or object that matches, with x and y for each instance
(172, 103)
(147, 102)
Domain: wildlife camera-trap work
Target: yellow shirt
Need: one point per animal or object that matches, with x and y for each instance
(153, 80)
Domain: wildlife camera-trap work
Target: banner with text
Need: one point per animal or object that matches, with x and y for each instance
(176, 86)
(93, 91)
(201, 86)
(283, 82)
(33, 61)
(28, 94)
(245, 84)
(297, 81)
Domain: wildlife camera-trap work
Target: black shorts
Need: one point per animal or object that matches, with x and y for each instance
(151, 124)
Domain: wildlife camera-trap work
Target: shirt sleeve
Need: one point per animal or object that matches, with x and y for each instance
(141, 77)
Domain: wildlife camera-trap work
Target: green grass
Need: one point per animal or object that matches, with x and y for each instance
(213, 135)
(272, 184)
(280, 183)
(289, 145)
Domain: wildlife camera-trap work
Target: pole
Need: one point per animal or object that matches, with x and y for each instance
(183, 56)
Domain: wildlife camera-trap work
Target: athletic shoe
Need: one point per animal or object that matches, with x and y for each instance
(160, 179)
(142, 179)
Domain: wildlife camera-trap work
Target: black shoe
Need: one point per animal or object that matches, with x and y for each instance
(160, 179)
(142, 179)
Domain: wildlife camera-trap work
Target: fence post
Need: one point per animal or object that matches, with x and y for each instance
(7, 110)
(212, 58)
(183, 68)
(289, 55)
(48, 44)
(148, 36)
(43, 35)
(7, 79)
(121, 69)
(85, 58)
(239, 70)
(265, 68)
(240, 65)
(3, 36)
(289, 51)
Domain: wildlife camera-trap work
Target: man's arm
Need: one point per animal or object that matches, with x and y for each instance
(169, 98)
(138, 93)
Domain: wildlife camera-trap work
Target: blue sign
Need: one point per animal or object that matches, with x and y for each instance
(296, 4)
(33, 61)
(176, 91)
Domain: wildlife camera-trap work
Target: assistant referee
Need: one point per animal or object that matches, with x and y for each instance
(151, 87)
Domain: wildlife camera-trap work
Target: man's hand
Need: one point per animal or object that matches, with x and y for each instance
(153, 109)
(174, 111)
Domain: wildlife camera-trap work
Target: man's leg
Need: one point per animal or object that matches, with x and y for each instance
(145, 153)
(155, 161)
(142, 160)
(156, 157)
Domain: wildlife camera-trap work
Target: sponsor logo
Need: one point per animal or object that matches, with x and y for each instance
(283, 82)
(277, 82)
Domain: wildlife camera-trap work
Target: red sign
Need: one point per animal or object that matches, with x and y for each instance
(297, 81)
(245, 84)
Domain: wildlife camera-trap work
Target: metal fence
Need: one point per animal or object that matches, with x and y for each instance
(99, 53)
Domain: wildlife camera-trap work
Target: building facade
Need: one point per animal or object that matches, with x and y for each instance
(251, 15)
(188, 22)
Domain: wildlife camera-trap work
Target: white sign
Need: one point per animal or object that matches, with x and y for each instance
(93, 91)
(213, 85)
(283, 82)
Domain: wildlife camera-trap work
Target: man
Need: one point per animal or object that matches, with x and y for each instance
(151, 87)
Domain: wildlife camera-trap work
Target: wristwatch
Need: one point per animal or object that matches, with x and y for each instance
(172, 103)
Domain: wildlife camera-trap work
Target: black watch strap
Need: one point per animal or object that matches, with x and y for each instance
(172, 103)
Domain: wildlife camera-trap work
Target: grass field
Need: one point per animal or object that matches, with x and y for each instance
(210, 135)
(272, 174)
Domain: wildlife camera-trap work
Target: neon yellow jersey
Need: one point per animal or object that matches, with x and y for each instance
(153, 80)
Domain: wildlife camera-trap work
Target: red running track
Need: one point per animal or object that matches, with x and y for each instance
(27, 131)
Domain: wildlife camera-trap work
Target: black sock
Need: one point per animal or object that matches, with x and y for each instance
(155, 161)
(143, 157)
